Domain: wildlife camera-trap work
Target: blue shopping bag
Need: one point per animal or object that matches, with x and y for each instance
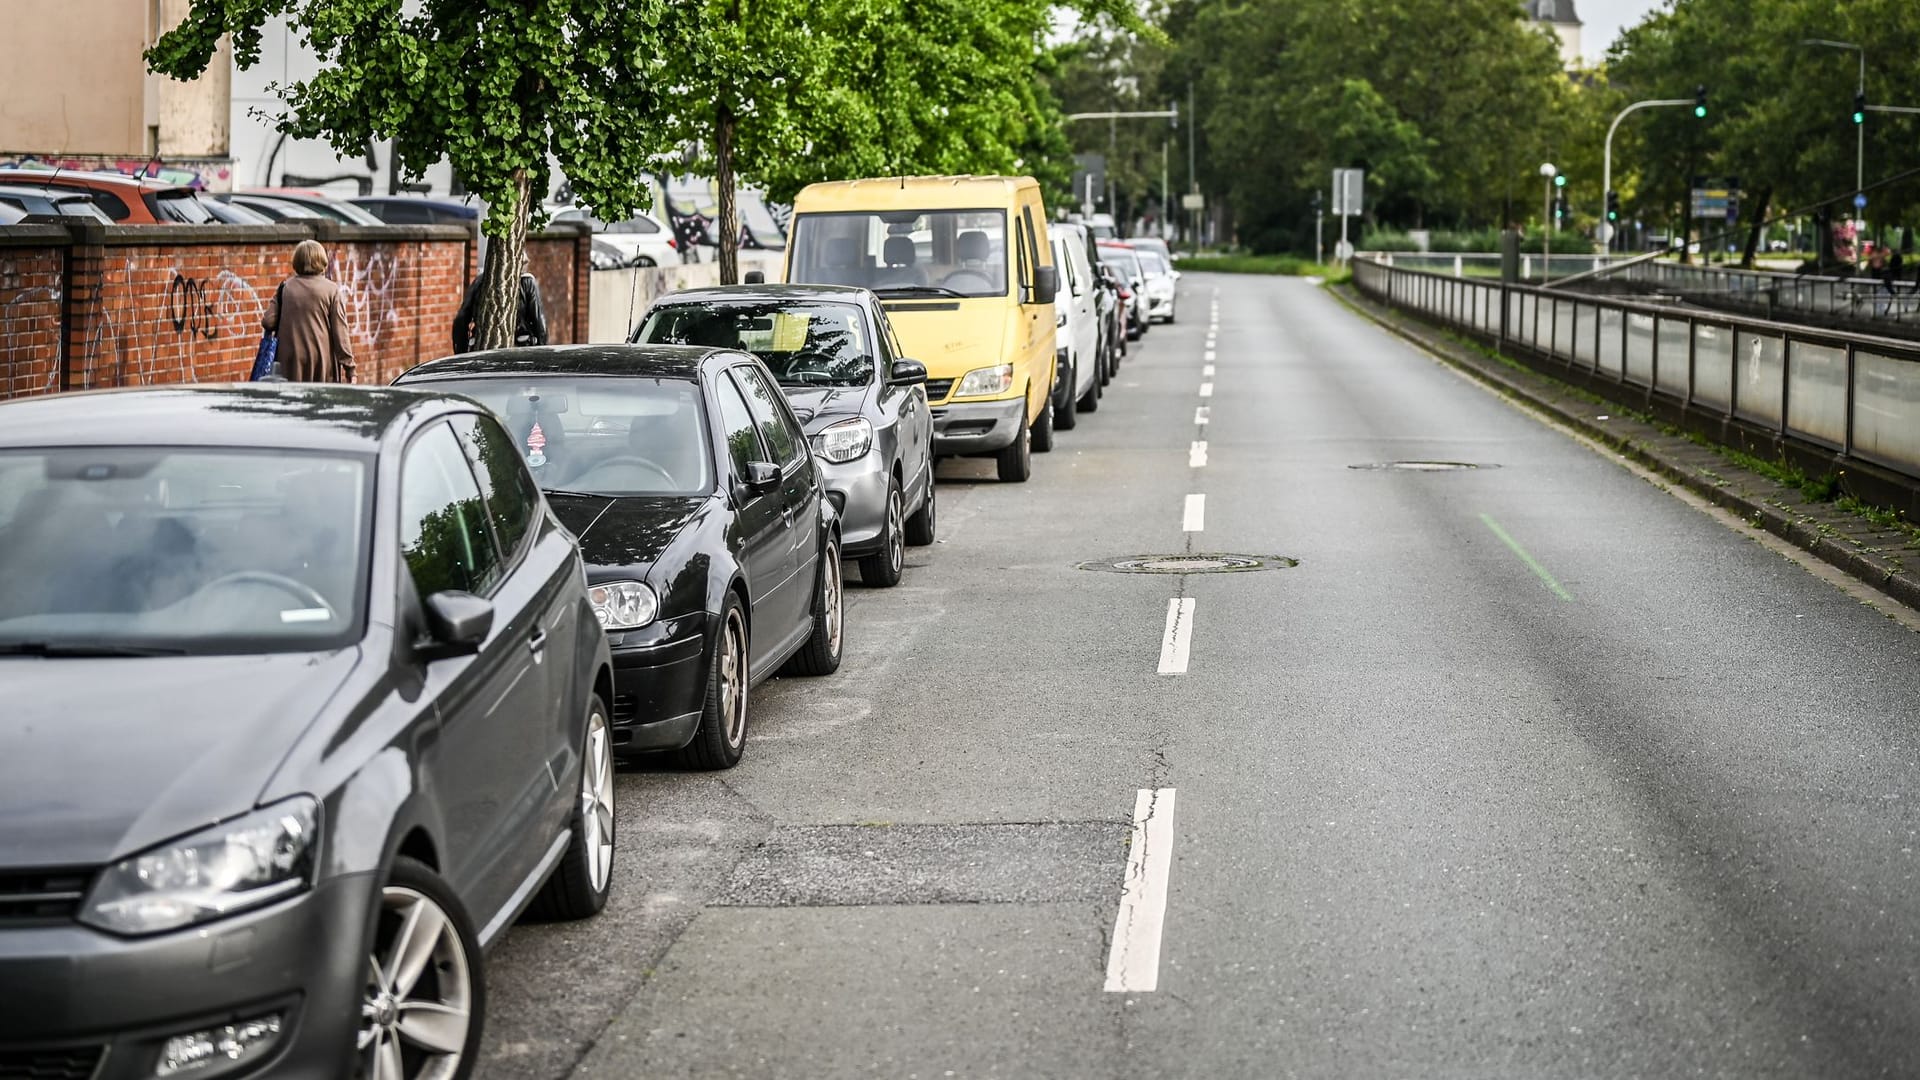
(269, 347)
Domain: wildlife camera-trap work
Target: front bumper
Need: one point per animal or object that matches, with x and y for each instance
(659, 684)
(858, 490)
(978, 427)
(76, 995)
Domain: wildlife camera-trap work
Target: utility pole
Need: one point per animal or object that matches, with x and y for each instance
(1606, 167)
(1193, 180)
(1113, 140)
(1319, 232)
(1166, 192)
(1860, 93)
(1547, 173)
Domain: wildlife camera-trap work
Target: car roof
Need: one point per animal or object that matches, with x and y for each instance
(845, 294)
(95, 180)
(911, 192)
(296, 416)
(424, 200)
(642, 361)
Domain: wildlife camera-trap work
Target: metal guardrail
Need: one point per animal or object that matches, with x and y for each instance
(1855, 394)
(1487, 264)
(1776, 295)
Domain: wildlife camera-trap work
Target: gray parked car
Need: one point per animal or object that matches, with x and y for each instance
(863, 403)
(305, 701)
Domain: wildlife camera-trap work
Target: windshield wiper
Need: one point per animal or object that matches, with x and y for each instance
(920, 290)
(67, 649)
(575, 494)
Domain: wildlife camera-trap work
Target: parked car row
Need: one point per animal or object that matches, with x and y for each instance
(320, 687)
(127, 200)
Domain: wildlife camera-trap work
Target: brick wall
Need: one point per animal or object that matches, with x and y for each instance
(560, 260)
(163, 304)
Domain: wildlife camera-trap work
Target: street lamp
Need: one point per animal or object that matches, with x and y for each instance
(1549, 173)
(1699, 103)
(1859, 113)
(1171, 112)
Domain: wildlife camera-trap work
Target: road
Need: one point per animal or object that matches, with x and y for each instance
(1529, 770)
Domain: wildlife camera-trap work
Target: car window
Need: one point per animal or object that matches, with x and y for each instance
(641, 226)
(901, 252)
(737, 424)
(181, 207)
(804, 343)
(513, 500)
(443, 524)
(775, 427)
(11, 211)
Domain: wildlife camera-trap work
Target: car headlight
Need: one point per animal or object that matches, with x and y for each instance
(844, 441)
(623, 605)
(986, 381)
(244, 863)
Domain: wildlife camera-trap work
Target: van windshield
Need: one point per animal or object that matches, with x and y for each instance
(906, 252)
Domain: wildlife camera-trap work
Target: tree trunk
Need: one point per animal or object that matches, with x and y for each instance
(500, 276)
(729, 207)
(1759, 226)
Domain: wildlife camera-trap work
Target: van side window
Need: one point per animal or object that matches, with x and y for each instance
(1023, 251)
(1032, 251)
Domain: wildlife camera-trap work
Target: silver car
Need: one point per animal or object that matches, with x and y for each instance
(863, 404)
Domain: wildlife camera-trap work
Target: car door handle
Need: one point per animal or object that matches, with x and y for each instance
(538, 641)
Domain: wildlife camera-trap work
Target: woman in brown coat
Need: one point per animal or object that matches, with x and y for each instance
(309, 316)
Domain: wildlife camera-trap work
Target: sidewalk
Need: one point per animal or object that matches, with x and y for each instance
(1886, 558)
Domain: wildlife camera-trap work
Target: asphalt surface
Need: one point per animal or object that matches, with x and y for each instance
(1528, 770)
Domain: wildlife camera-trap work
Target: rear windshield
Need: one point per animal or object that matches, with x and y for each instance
(185, 550)
(906, 252)
(803, 343)
(182, 207)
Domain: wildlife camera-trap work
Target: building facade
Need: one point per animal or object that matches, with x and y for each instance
(1560, 17)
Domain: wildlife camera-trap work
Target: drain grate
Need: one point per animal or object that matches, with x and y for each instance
(1422, 466)
(1199, 562)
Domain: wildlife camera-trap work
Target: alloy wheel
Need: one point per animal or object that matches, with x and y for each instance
(830, 596)
(596, 802)
(733, 678)
(896, 531)
(419, 996)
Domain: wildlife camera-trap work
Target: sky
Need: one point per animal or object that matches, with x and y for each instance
(1605, 19)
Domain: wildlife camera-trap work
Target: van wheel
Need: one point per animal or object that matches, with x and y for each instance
(1043, 428)
(1015, 463)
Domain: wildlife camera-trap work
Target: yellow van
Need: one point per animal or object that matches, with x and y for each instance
(964, 270)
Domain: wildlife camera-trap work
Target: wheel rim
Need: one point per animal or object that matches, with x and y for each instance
(830, 596)
(733, 679)
(417, 1010)
(932, 504)
(596, 802)
(896, 531)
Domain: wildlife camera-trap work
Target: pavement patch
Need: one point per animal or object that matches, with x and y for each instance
(1199, 562)
(864, 865)
(1421, 466)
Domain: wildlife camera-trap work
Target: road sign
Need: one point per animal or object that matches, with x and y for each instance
(1716, 197)
(1194, 201)
(1860, 201)
(1349, 191)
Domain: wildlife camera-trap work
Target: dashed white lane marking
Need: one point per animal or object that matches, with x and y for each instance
(1208, 370)
(1209, 357)
(1206, 389)
(1133, 961)
(1197, 454)
(1195, 517)
(1176, 643)
(1201, 415)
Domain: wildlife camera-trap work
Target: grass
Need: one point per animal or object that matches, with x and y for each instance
(1285, 265)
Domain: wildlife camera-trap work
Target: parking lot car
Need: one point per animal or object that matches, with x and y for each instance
(713, 554)
(1118, 305)
(125, 199)
(640, 240)
(1162, 288)
(1076, 328)
(294, 204)
(19, 201)
(1126, 263)
(859, 399)
(418, 210)
(964, 268)
(305, 702)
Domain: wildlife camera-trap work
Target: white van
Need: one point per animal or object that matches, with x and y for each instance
(1079, 362)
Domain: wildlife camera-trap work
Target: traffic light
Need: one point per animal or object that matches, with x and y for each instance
(1860, 107)
(1560, 206)
(1700, 102)
(1560, 180)
(1613, 206)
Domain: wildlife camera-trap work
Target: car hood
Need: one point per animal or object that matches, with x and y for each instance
(952, 337)
(824, 404)
(107, 757)
(629, 531)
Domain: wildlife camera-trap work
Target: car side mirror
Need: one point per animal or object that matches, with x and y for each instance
(907, 373)
(762, 476)
(754, 277)
(457, 624)
(1046, 284)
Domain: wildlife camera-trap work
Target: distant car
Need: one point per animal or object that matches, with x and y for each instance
(1125, 261)
(1155, 244)
(270, 208)
(1077, 331)
(1118, 305)
(371, 728)
(1162, 286)
(641, 240)
(862, 403)
(299, 205)
(418, 210)
(125, 199)
(21, 201)
(1102, 227)
(713, 554)
(228, 213)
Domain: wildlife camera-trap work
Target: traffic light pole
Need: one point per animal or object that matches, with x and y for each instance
(1606, 168)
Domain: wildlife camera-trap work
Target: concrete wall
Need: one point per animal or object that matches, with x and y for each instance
(619, 296)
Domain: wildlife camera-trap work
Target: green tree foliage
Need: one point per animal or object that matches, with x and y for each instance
(499, 88)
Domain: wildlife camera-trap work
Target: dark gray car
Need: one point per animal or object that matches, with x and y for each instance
(862, 402)
(305, 702)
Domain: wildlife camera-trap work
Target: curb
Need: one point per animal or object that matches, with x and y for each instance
(1641, 443)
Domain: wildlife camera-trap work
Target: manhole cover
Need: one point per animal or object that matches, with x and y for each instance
(1423, 466)
(1200, 562)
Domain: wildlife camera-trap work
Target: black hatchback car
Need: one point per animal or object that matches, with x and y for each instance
(304, 703)
(713, 553)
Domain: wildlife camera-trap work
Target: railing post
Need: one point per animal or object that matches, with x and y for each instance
(1846, 443)
(1693, 347)
(1457, 270)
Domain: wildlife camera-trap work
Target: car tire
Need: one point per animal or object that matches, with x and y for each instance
(882, 569)
(645, 262)
(922, 527)
(1091, 401)
(1043, 428)
(579, 886)
(449, 978)
(1063, 410)
(722, 735)
(1015, 463)
(821, 654)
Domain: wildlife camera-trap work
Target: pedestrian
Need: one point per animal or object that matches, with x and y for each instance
(530, 317)
(308, 313)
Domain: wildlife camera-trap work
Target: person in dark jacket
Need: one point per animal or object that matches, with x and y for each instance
(308, 313)
(530, 317)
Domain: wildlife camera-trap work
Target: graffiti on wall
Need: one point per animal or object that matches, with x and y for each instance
(369, 283)
(22, 324)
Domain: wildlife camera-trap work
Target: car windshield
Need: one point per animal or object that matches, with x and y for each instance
(191, 550)
(803, 343)
(1151, 261)
(601, 435)
(1124, 261)
(909, 252)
